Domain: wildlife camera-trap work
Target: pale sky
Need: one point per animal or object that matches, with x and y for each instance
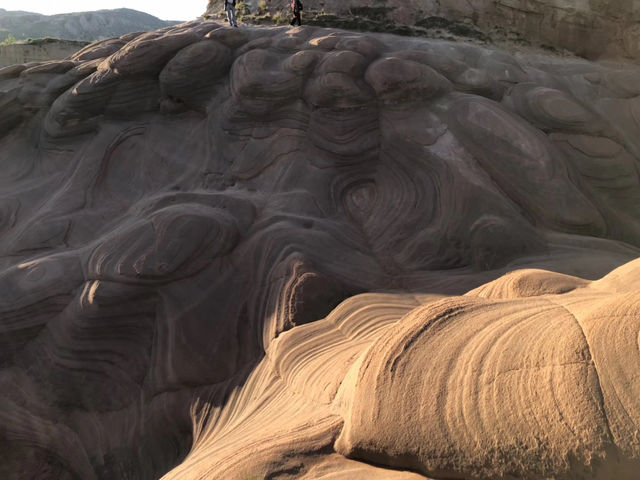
(163, 9)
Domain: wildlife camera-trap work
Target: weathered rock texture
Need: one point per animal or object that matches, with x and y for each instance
(531, 376)
(46, 49)
(189, 217)
(591, 28)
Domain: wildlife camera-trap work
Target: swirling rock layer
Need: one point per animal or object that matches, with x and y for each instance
(188, 217)
(505, 382)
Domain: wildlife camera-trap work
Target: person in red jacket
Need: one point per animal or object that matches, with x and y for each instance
(296, 8)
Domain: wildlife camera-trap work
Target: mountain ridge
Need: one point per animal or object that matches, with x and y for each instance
(87, 26)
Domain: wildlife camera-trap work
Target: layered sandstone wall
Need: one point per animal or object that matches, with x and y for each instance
(590, 28)
(25, 53)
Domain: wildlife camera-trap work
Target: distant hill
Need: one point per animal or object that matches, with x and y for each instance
(87, 26)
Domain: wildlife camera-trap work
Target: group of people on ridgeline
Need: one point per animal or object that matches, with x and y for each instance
(230, 8)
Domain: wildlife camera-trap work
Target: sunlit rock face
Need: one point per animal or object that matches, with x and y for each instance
(589, 28)
(189, 217)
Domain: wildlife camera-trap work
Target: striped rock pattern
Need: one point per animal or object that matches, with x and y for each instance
(531, 376)
(196, 223)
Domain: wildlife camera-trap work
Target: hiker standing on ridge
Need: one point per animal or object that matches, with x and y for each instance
(230, 8)
(296, 8)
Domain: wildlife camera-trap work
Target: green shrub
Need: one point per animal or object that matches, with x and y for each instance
(280, 19)
(10, 40)
(42, 41)
(242, 9)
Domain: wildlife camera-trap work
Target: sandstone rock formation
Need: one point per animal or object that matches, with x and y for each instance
(588, 28)
(531, 376)
(38, 51)
(236, 253)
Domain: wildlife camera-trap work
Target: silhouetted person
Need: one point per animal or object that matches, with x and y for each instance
(230, 8)
(296, 8)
